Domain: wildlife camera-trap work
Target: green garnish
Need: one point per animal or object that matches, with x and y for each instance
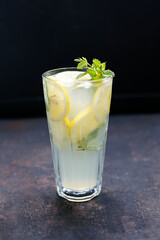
(92, 142)
(96, 70)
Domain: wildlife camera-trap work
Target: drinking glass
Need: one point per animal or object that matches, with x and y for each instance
(77, 113)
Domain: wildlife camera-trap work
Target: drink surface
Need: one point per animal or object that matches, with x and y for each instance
(77, 112)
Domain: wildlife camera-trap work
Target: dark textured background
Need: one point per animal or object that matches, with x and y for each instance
(36, 36)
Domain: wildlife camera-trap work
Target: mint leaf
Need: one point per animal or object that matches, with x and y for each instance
(94, 145)
(96, 70)
(81, 75)
(77, 60)
(81, 65)
(92, 141)
(93, 134)
(103, 66)
(96, 62)
(108, 73)
(85, 60)
(91, 72)
(82, 62)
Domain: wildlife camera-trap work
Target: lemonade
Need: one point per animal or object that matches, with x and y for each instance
(77, 113)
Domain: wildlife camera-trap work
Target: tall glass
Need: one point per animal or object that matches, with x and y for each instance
(77, 113)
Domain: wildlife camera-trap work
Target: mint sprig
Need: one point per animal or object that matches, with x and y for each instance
(96, 70)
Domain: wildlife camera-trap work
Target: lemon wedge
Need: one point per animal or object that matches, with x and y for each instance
(101, 102)
(83, 124)
(59, 104)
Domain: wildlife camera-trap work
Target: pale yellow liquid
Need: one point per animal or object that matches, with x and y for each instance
(77, 169)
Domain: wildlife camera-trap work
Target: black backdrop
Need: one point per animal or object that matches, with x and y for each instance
(38, 35)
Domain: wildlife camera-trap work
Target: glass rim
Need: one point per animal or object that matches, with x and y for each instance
(58, 70)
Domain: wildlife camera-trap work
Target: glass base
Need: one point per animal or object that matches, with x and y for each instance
(78, 196)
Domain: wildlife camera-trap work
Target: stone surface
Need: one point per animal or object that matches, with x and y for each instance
(128, 207)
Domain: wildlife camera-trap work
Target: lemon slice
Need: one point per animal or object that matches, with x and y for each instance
(83, 124)
(59, 132)
(101, 102)
(59, 104)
